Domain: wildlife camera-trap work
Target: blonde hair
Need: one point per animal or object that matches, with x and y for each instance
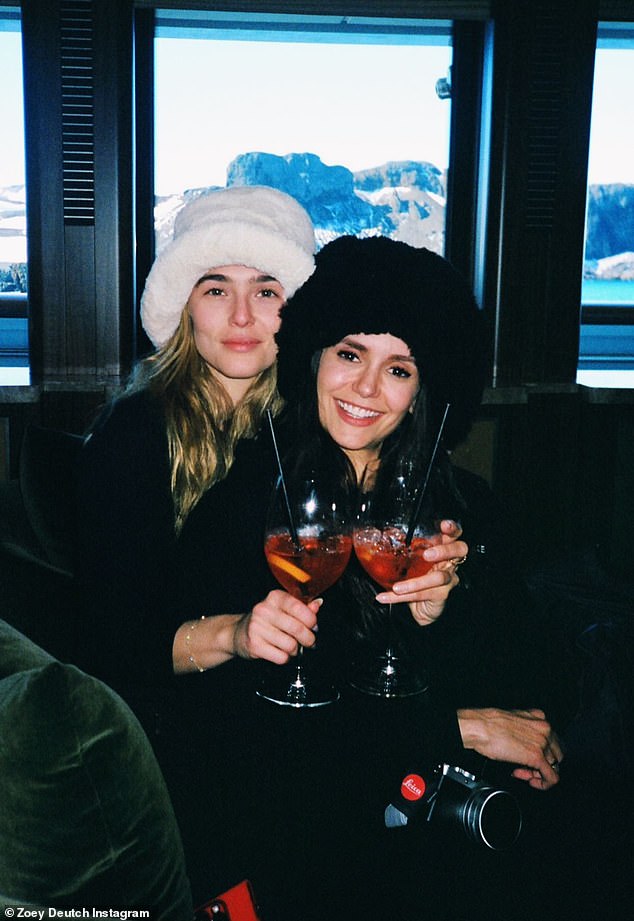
(203, 425)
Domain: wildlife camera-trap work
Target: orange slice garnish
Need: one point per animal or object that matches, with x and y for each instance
(288, 567)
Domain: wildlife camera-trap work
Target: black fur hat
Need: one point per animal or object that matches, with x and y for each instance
(379, 285)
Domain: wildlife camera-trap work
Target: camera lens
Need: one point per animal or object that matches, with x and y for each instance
(492, 817)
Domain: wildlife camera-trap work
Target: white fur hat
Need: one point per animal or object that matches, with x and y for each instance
(243, 225)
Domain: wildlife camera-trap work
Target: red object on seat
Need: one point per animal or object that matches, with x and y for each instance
(236, 904)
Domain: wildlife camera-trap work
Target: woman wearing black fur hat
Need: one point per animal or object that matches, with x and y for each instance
(377, 343)
(378, 318)
(372, 349)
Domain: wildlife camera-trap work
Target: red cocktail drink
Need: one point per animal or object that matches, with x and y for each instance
(387, 558)
(307, 545)
(306, 572)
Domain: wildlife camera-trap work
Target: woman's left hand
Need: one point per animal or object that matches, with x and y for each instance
(427, 595)
(521, 737)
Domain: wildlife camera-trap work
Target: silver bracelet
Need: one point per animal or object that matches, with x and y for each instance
(190, 629)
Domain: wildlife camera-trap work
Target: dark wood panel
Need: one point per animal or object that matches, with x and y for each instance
(114, 234)
(144, 151)
(542, 102)
(563, 468)
(462, 179)
(81, 299)
(44, 186)
(80, 342)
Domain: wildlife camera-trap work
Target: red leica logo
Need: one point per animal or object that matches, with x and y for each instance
(412, 787)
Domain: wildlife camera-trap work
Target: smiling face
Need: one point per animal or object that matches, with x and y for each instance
(365, 386)
(235, 313)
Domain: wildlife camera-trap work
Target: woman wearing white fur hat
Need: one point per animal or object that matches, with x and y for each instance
(211, 307)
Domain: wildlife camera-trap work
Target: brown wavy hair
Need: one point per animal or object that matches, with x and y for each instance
(203, 425)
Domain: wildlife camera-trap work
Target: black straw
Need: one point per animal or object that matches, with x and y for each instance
(422, 489)
(291, 523)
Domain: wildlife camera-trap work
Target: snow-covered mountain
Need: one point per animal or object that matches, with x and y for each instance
(619, 267)
(400, 199)
(12, 224)
(610, 221)
(405, 200)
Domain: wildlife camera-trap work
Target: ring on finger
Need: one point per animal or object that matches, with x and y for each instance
(458, 561)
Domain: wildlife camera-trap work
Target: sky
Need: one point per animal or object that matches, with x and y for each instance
(279, 97)
(352, 105)
(11, 116)
(612, 126)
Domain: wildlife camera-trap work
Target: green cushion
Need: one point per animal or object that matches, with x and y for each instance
(18, 653)
(85, 817)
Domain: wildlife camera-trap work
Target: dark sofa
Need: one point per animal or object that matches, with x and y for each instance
(36, 566)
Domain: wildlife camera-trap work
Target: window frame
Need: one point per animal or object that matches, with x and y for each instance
(14, 305)
(534, 317)
(464, 205)
(607, 316)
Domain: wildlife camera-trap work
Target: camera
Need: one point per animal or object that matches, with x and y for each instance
(487, 815)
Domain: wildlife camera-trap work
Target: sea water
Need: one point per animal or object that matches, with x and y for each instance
(601, 292)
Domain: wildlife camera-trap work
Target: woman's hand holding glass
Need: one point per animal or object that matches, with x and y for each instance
(307, 544)
(276, 628)
(428, 594)
(394, 534)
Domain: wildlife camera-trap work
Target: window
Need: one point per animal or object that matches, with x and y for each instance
(13, 276)
(607, 332)
(349, 116)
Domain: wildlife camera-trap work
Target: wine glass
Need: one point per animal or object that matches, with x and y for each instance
(308, 542)
(389, 542)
